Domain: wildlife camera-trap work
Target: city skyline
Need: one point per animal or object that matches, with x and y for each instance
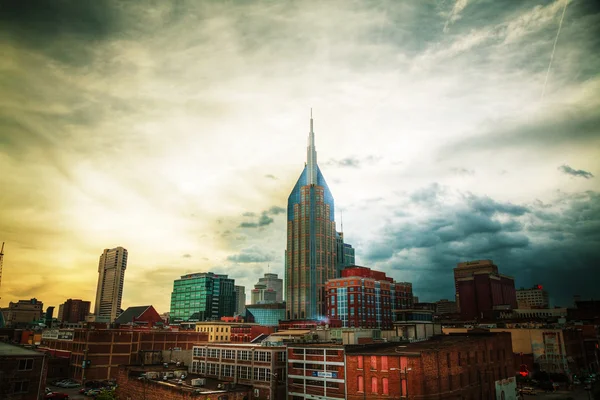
(445, 135)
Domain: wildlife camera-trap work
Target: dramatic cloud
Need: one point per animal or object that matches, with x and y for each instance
(176, 128)
(575, 172)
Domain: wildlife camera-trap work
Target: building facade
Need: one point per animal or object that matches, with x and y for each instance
(106, 349)
(468, 268)
(535, 297)
(344, 253)
(443, 367)
(366, 298)
(445, 306)
(262, 367)
(202, 296)
(22, 373)
(261, 294)
(73, 311)
(239, 292)
(311, 252)
(23, 313)
(111, 277)
(483, 293)
(315, 371)
(274, 283)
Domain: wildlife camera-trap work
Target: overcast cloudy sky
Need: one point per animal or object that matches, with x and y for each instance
(177, 130)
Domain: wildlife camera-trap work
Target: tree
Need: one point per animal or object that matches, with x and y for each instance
(106, 395)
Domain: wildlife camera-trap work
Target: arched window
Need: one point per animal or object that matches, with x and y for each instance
(386, 385)
(374, 385)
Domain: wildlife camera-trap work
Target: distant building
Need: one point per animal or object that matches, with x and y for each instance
(261, 294)
(111, 277)
(73, 311)
(140, 316)
(535, 297)
(482, 294)
(262, 367)
(266, 314)
(445, 306)
(239, 293)
(273, 282)
(468, 268)
(202, 296)
(344, 253)
(23, 313)
(415, 325)
(365, 298)
(22, 373)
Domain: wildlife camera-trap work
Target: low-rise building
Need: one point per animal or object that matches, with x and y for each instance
(73, 311)
(262, 367)
(534, 297)
(265, 314)
(155, 382)
(103, 350)
(236, 332)
(23, 313)
(316, 371)
(22, 373)
(445, 306)
(447, 366)
(139, 316)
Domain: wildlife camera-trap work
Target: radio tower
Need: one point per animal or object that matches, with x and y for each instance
(1, 259)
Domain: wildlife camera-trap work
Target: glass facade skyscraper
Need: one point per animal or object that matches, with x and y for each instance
(202, 297)
(311, 254)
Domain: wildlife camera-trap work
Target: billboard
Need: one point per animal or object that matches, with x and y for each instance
(58, 334)
(506, 389)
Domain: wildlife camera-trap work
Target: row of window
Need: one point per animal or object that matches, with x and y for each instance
(244, 355)
(228, 370)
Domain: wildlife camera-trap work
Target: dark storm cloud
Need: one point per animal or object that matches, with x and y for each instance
(251, 255)
(551, 244)
(263, 220)
(575, 172)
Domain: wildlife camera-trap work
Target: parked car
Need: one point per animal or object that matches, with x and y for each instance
(70, 385)
(528, 390)
(56, 395)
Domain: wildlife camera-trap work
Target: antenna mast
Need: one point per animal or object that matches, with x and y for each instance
(1, 261)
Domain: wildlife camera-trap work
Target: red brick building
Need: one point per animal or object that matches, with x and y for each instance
(139, 316)
(106, 349)
(482, 293)
(262, 367)
(246, 333)
(22, 373)
(310, 324)
(456, 366)
(365, 298)
(315, 369)
(73, 311)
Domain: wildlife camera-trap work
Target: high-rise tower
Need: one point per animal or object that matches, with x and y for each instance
(310, 257)
(111, 274)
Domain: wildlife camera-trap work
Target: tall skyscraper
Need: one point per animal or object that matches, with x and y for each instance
(202, 296)
(240, 300)
(271, 282)
(311, 254)
(111, 276)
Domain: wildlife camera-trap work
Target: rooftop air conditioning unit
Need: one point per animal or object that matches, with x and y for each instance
(199, 382)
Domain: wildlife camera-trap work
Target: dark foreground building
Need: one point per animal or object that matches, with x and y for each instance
(22, 373)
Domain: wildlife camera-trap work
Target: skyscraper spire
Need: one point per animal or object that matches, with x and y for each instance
(311, 155)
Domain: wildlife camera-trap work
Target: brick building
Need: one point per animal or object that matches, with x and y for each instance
(310, 324)
(262, 367)
(140, 316)
(482, 293)
(316, 370)
(365, 298)
(236, 332)
(468, 366)
(73, 311)
(535, 297)
(133, 383)
(22, 373)
(23, 313)
(106, 349)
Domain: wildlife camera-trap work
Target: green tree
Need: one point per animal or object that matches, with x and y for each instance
(106, 395)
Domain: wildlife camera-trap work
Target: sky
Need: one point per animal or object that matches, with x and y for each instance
(178, 129)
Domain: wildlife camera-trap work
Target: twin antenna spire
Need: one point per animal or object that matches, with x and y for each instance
(311, 155)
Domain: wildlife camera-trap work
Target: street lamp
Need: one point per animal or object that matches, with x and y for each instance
(400, 380)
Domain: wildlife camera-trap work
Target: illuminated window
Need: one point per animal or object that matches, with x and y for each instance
(374, 385)
(360, 383)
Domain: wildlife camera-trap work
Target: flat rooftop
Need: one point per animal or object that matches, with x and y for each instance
(7, 349)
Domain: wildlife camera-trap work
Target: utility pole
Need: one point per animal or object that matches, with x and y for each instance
(1, 261)
(83, 366)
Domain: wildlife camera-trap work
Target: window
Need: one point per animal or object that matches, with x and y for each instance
(360, 362)
(384, 363)
(374, 362)
(374, 385)
(213, 369)
(228, 354)
(21, 387)
(360, 383)
(243, 372)
(26, 365)
(262, 356)
(262, 374)
(227, 370)
(213, 353)
(199, 352)
(244, 355)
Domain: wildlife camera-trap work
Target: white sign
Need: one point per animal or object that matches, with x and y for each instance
(50, 334)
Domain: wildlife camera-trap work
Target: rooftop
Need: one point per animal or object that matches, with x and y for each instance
(12, 350)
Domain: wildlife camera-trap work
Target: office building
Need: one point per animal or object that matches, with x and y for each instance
(482, 295)
(261, 294)
(535, 297)
(274, 283)
(262, 367)
(202, 296)
(344, 253)
(239, 293)
(445, 306)
(23, 313)
(365, 298)
(468, 268)
(111, 277)
(22, 373)
(312, 241)
(73, 311)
